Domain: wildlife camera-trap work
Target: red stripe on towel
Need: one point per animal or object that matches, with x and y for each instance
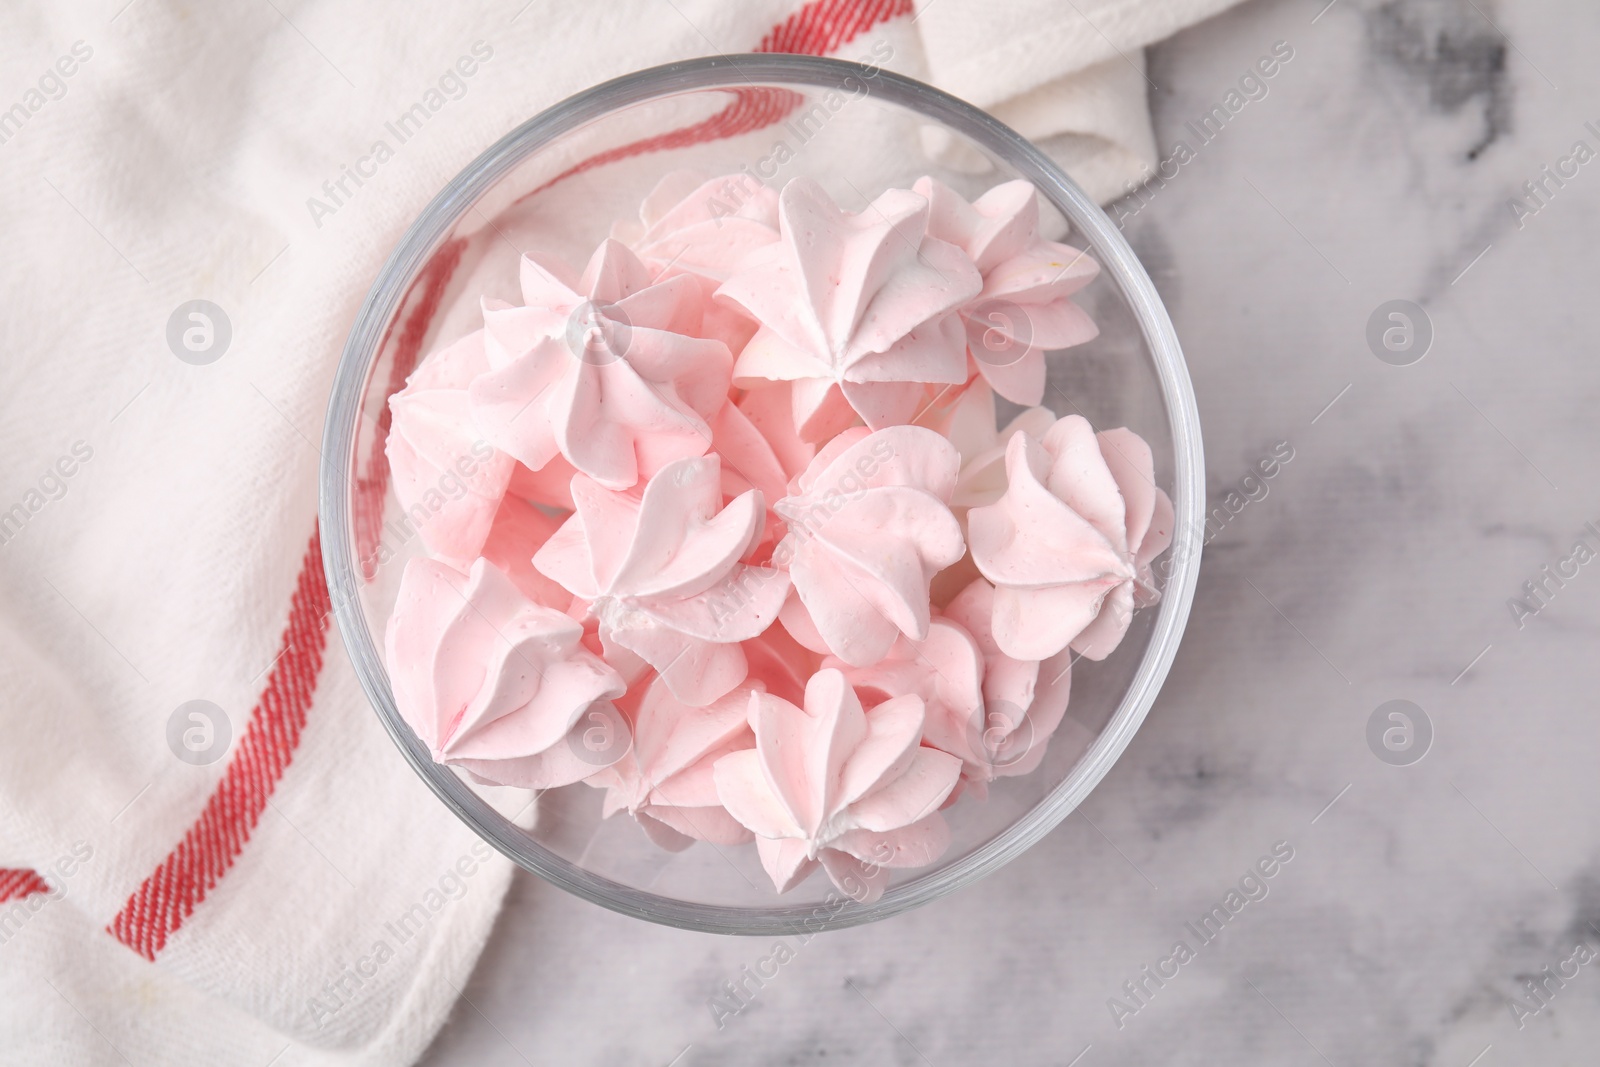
(816, 29)
(169, 896)
(208, 849)
(18, 883)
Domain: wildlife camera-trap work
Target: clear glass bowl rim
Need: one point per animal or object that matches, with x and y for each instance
(732, 72)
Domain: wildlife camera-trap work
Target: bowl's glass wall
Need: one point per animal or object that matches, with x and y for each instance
(522, 196)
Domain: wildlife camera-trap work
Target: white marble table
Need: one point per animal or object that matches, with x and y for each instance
(1378, 567)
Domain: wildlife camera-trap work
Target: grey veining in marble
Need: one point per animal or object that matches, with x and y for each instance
(1422, 902)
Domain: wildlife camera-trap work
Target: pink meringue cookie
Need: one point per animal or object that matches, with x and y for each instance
(965, 414)
(748, 461)
(1024, 308)
(869, 527)
(608, 375)
(662, 573)
(550, 486)
(1023, 701)
(854, 308)
(983, 467)
(490, 681)
(945, 669)
(449, 479)
(518, 531)
(1069, 544)
(779, 664)
(831, 782)
(967, 417)
(705, 228)
(770, 409)
(665, 780)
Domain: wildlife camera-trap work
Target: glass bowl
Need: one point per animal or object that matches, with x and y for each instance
(555, 184)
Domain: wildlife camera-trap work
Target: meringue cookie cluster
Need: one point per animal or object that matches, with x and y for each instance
(723, 525)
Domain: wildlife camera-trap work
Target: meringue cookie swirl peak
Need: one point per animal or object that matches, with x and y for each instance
(662, 571)
(855, 309)
(607, 371)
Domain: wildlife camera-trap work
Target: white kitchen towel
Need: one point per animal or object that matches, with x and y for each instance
(1069, 75)
(210, 852)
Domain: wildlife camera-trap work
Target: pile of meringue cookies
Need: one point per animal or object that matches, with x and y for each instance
(739, 541)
